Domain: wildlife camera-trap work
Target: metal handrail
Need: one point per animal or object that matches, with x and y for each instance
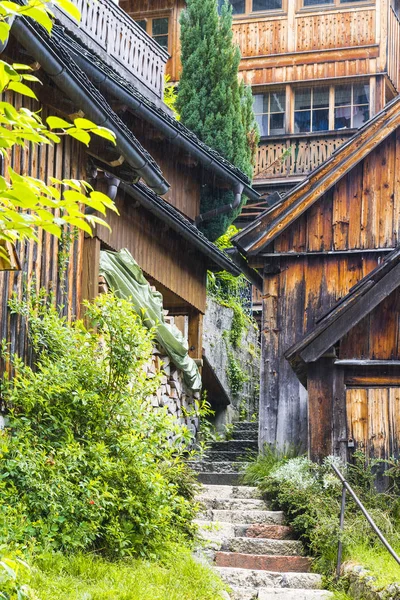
(347, 488)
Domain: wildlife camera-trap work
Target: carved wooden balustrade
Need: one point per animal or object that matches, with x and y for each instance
(120, 39)
(295, 156)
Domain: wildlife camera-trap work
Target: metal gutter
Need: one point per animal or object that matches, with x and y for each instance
(41, 48)
(104, 81)
(169, 215)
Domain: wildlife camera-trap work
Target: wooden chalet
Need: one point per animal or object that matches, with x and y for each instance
(350, 364)
(312, 247)
(319, 69)
(112, 72)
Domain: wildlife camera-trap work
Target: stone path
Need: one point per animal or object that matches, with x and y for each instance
(250, 546)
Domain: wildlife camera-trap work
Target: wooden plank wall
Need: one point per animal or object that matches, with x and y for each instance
(373, 420)
(362, 211)
(51, 264)
(162, 254)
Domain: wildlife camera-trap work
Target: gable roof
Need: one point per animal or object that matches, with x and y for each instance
(271, 223)
(357, 304)
(176, 133)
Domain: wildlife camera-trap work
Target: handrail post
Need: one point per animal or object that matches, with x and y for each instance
(341, 527)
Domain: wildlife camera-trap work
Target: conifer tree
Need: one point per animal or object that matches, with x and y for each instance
(211, 101)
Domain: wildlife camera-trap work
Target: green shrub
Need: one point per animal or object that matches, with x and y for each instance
(86, 462)
(310, 495)
(271, 456)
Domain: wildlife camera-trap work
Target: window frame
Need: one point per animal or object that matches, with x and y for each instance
(335, 5)
(290, 105)
(269, 112)
(249, 12)
(148, 19)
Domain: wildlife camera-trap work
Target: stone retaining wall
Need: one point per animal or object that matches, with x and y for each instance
(363, 585)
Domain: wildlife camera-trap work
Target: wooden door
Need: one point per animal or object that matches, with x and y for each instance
(373, 420)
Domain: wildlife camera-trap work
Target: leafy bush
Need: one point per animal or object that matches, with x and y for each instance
(14, 573)
(310, 495)
(86, 462)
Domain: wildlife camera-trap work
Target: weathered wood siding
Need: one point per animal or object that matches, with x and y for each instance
(162, 254)
(373, 419)
(180, 170)
(51, 264)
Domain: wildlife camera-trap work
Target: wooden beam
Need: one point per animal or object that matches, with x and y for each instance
(195, 335)
(90, 269)
(320, 409)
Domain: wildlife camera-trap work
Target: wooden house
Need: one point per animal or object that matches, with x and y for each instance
(319, 69)
(112, 72)
(350, 364)
(313, 246)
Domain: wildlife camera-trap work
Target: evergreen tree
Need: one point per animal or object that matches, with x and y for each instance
(211, 101)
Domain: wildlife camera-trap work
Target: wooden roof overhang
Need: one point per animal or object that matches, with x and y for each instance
(254, 239)
(357, 304)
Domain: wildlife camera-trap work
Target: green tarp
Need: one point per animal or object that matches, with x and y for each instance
(125, 278)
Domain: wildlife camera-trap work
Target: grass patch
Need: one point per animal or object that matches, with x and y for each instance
(379, 562)
(86, 577)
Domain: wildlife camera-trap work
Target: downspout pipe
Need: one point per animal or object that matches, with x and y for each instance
(136, 106)
(42, 51)
(222, 210)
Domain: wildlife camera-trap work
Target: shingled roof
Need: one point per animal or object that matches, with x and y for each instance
(88, 59)
(258, 235)
(349, 311)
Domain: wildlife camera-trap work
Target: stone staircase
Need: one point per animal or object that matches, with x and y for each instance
(249, 545)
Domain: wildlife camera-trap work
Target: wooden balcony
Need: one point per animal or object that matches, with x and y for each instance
(394, 49)
(293, 157)
(107, 30)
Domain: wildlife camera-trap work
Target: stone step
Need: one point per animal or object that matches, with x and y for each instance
(229, 491)
(245, 434)
(252, 578)
(262, 562)
(271, 532)
(235, 446)
(231, 503)
(225, 479)
(245, 426)
(228, 455)
(218, 467)
(239, 593)
(245, 545)
(244, 517)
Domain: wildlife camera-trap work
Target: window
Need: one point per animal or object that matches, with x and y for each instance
(351, 105)
(327, 2)
(311, 109)
(269, 110)
(241, 7)
(157, 28)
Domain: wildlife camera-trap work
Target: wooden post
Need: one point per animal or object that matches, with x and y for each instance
(195, 335)
(90, 268)
(320, 408)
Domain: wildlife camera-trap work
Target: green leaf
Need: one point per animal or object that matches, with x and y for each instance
(40, 16)
(21, 67)
(4, 31)
(80, 135)
(100, 197)
(57, 123)
(79, 223)
(21, 88)
(31, 78)
(84, 123)
(70, 8)
(105, 133)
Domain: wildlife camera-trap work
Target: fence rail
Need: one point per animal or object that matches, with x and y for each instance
(123, 40)
(393, 59)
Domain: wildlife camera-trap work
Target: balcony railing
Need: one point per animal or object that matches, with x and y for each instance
(120, 41)
(394, 49)
(295, 157)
